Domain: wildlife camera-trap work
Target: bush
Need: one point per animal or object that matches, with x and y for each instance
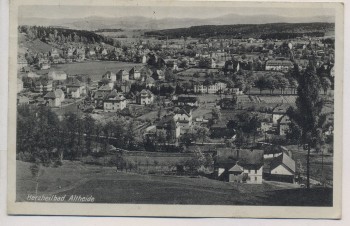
(57, 163)
(25, 157)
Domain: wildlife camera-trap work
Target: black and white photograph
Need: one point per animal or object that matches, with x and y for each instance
(225, 106)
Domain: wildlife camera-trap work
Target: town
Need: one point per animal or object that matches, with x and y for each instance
(218, 108)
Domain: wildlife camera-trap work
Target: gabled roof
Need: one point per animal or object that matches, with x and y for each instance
(284, 159)
(228, 157)
(183, 111)
(74, 82)
(145, 92)
(236, 168)
(108, 74)
(150, 80)
(105, 88)
(122, 72)
(51, 95)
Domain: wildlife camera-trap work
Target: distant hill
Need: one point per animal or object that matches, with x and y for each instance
(273, 31)
(138, 22)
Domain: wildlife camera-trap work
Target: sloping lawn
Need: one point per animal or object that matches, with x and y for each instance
(108, 186)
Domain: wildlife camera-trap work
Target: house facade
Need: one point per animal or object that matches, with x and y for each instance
(239, 165)
(145, 97)
(278, 65)
(114, 102)
(135, 73)
(57, 75)
(210, 88)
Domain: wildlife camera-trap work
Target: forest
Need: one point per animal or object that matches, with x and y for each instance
(272, 31)
(62, 35)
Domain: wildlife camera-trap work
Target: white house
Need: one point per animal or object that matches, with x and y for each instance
(114, 102)
(280, 168)
(122, 75)
(54, 98)
(145, 97)
(239, 165)
(210, 88)
(19, 85)
(57, 75)
(134, 73)
(75, 88)
(110, 75)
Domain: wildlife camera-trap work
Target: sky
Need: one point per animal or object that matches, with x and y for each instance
(61, 11)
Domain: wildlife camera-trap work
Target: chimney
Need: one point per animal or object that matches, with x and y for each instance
(238, 154)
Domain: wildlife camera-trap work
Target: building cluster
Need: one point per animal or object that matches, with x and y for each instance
(254, 166)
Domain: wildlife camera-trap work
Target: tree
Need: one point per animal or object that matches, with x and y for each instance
(308, 109)
(202, 133)
(261, 83)
(326, 84)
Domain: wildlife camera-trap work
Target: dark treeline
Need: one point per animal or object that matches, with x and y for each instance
(109, 30)
(41, 136)
(62, 35)
(275, 30)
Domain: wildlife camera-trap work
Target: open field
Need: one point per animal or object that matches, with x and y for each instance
(108, 186)
(315, 164)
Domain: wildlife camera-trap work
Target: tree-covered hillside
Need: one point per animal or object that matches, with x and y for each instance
(63, 35)
(273, 31)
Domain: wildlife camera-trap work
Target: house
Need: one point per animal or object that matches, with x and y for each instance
(158, 75)
(19, 85)
(122, 75)
(54, 98)
(183, 116)
(283, 125)
(172, 64)
(75, 88)
(134, 73)
(170, 127)
(278, 65)
(22, 100)
(32, 75)
(54, 53)
(200, 121)
(45, 66)
(150, 82)
(43, 86)
(57, 75)
(100, 95)
(114, 102)
(187, 100)
(219, 130)
(145, 97)
(231, 66)
(110, 75)
(277, 113)
(239, 165)
(280, 168)
(210, 88)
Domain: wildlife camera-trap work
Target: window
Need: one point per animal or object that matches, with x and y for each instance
(256, 178)
(256, 171)
(248, 171)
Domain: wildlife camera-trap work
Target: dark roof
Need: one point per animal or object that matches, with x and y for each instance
(183, 111)
(284, 159)
(74, 82)
(228, 157)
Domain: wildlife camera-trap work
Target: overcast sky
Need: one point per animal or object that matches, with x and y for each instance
(57, 12)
